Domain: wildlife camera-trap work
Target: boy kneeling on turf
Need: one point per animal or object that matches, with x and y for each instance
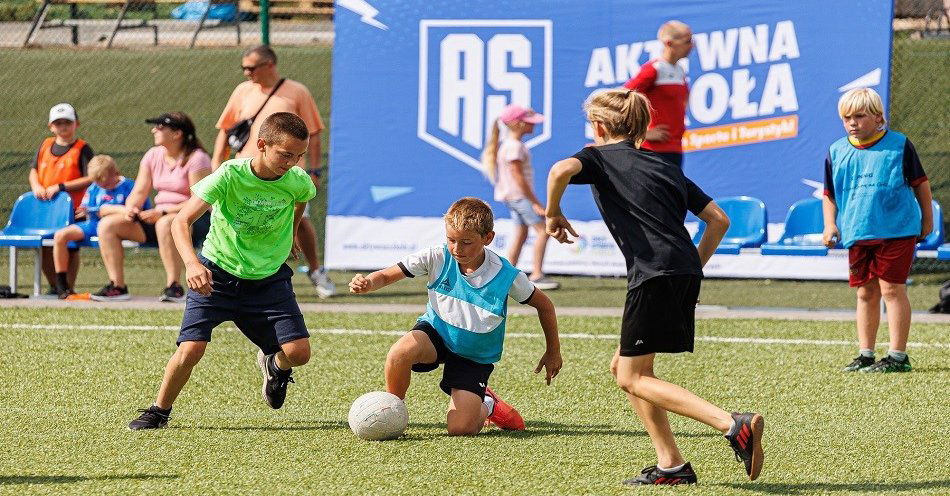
(241, 275)
(643, 199)
(464, 323)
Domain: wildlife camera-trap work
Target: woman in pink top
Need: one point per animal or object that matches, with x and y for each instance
(508, 165)
(171, 167)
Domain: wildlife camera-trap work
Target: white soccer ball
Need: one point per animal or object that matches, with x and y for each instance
(378, 416)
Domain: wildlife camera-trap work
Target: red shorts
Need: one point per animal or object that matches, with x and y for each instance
(887, 259)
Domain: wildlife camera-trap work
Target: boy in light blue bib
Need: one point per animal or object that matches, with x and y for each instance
(464, 323)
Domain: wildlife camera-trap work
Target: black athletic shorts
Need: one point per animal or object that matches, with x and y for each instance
(660, 316)
(265, 310)
(459, 372)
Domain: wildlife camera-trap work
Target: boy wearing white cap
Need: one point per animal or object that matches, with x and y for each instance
(60, 166)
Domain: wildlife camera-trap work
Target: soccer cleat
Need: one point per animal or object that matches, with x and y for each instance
(746, 441)
(274, 389)
(152, 417)
(889, 364)
(174, 293)
(545, 284)
(859, 362)
(654, 476)
(504, 415)
(323, 284)
(111, 292)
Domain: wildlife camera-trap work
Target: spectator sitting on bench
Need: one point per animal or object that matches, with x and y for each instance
(106, 195)
(60, 166)
(171, 167)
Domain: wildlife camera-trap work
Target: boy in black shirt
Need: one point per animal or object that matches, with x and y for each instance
(643, 200)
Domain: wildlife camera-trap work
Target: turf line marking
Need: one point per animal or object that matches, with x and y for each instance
(370, 332)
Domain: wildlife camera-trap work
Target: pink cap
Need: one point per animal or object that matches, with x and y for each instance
(515, 112)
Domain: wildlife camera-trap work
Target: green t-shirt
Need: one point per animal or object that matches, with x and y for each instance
(252, 219)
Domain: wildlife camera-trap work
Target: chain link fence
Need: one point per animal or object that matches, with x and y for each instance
(150, 69)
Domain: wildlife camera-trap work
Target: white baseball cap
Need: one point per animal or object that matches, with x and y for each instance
(62, 111)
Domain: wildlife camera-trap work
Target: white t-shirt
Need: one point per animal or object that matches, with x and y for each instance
(429, 261)
(506, 189)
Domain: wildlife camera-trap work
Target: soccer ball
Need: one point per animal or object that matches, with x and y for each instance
(378, 416)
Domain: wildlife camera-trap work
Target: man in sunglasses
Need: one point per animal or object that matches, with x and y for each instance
(251, 97)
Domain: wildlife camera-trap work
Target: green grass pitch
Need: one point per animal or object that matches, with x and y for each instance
(71, 383)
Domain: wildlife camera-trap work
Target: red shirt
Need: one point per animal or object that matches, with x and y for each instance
(664, 84)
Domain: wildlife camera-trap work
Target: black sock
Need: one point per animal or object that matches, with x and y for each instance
(272, 366)
(61, 283)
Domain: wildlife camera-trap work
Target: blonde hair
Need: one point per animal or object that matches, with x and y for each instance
(470, 214)
(625, 113)
(101, 167)
(671, 30)
(860, 100)
(490, 153)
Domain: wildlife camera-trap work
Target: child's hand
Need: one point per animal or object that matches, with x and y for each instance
(558, 227)
(360, 284)
(925, 228)
(295, 249)
(39, 192)
(150, 216)
(831, 236)
(199, 278)
(81, 211)
(51, 192)
(132, 213)
(551, 363)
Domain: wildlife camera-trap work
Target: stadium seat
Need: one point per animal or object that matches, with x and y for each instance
(935, 239)
(804, 226)
(31, 221)
(943, 253)
(748, 220)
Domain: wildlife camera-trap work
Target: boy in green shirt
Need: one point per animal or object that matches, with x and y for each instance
(240, 274)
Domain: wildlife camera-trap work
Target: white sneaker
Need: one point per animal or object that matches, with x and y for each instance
(545, 284)
(323, 284)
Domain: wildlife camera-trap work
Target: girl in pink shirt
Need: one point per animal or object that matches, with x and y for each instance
(171, 167)
(508, 166)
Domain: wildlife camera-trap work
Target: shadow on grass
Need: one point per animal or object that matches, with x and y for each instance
(318, 425)
(538, 429)
(815, 487)
(9, 480)
(930, 370)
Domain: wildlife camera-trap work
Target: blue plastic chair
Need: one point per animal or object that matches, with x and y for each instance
(943, 253)
(804, 226)
(748, 220)
(935, 239)
(31, 221)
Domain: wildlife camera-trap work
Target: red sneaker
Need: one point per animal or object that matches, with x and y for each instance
(505, 416)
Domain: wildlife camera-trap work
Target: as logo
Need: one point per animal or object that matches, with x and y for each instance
(471, 69)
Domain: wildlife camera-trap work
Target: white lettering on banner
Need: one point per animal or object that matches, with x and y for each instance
(714, 95)
(516, 83)
(461, 82)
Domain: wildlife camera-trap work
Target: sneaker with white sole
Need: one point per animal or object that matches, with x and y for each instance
(111, 292)
(323, 284)
(545, 284)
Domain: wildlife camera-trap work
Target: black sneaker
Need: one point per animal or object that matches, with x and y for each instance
(152, 417)
(174, 293)
(889, 364)
(858, 363)
(275, 384)
(655, 476)
(746, 441)
(111, 292)
(66, 293)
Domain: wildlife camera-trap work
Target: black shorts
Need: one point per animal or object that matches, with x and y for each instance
(660, 316)
(199, 230)
(459, 372)
(265, 310)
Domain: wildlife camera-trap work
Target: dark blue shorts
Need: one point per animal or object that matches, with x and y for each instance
(265, 311)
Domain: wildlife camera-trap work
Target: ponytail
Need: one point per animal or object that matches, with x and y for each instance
(624, 113)
(490, 154)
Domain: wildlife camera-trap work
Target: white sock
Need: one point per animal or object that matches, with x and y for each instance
(671, 469)
(732, 430)
(490, 403)
(867, 352)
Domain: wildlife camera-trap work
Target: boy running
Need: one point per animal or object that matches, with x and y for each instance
(464, 324)
(643, 199)
(240, 274)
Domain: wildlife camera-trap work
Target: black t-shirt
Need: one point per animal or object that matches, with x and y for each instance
(643, 200)
(85, 155)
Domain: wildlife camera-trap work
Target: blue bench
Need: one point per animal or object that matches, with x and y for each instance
(804, 226)
(748, 220)
(31, 222)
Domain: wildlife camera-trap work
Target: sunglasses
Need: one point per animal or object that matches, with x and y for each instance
(252, 68)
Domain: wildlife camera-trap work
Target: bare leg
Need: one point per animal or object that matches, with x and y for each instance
(178, 371)
(112, 230)
(518, 237)
(898, 313)
(413, 347)
(467, 413)
(540, 245)
(656, 422)
(61, 254)
(868, 315)
(635, 376)
(307, 240)
(171, 260)
(293, 354)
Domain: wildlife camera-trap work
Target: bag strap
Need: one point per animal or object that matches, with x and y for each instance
(274, 90)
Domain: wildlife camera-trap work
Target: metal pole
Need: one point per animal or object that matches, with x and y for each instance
(265, 22)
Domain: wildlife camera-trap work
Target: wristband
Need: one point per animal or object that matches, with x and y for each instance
(62, 186)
